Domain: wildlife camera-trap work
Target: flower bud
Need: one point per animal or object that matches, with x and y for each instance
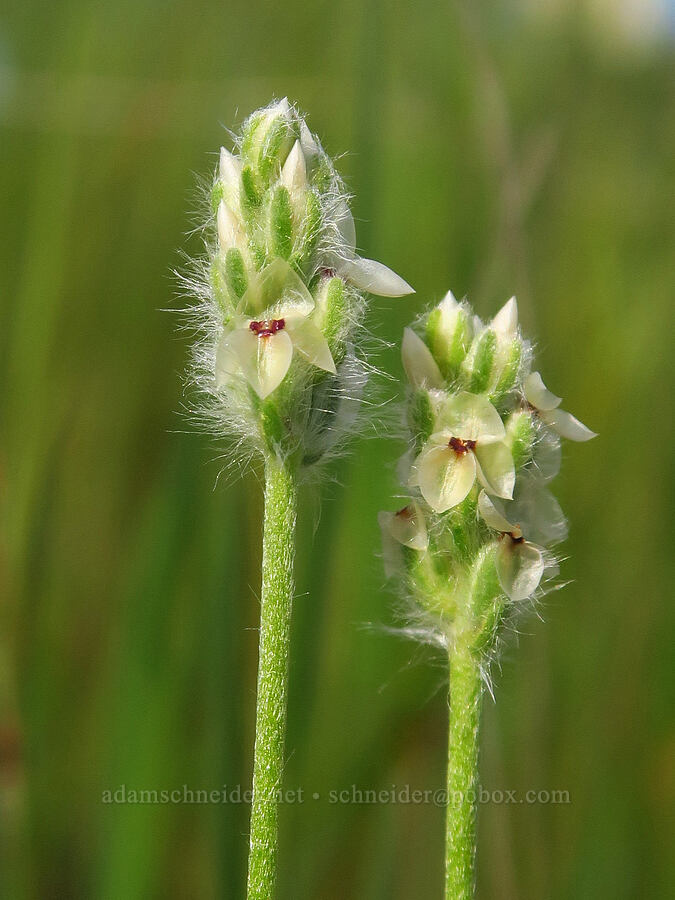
(448, 333)
(494, 359)
(267, 139)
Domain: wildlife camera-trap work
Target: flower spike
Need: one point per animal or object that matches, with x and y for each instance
(284, 295)
(473, 544)
(281, 369)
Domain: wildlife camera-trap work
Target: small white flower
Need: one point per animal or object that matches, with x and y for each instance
(468, 444)
(419, 364)
(262, 348)
(536, 510)
(546, 404)
(520, 564)
(405, 528)
(365, 274)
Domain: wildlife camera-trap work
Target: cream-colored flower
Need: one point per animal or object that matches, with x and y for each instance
(520, 564)
(262, 348)
(366, 274)
(468, 444)
(405, 528)
(546, 404)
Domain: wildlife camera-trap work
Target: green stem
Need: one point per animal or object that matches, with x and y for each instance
(275, 626)
(466, 690)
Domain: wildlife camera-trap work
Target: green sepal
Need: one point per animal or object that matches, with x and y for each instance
(421, 418)
(510, 369)
(311, 231)
(249, 138)
(275, 147)
(448, 351)
(281, 223)
(486, 600)
(323, 175)
(334, 318)
(271, 423)
(219, 288)
(217, 193)
(460, 522)
(483, 361)
(270, 420)
(235, 272)
(250, 193)
(520, 436)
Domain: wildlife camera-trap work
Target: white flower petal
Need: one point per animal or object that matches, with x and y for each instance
(227, 363)
(374, 277)
(392, 551)
(537, 394)
(520, 566)
(264, 360)
(567, 426)
(493, 517)
(309, 145)
(404, 467)
(495, 469)
(537, 511)
(229, 169)
(408, 527)
(471, 417)
(310, 342)
(343, 220)
(505, 323)
(230, 233)
(419, 364)
(547, 454)
(445, 477)
(294, 171)
(282, 292)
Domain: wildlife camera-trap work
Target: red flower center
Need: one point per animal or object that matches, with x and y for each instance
(267, 327)
(460, 446)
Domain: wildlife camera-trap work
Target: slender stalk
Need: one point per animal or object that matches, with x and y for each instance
(275, 622)
(466, 690)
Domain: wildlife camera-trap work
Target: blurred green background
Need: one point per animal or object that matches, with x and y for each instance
(493, 148)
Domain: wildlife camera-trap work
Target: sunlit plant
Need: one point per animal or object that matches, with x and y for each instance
(281, 368)
(472, 546)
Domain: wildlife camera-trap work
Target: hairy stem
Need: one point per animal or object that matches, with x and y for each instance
(465, 702)
(270, 728)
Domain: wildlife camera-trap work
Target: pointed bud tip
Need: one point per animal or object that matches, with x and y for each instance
(506, 320)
